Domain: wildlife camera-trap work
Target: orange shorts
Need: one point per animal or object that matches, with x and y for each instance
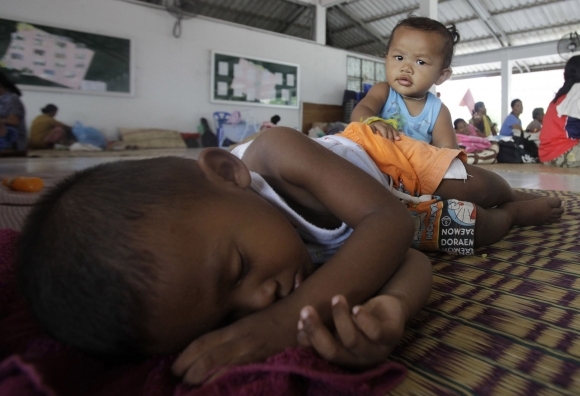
(417, 168)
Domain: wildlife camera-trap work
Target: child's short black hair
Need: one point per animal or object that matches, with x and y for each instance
(449, 33)
(84, 266)
(457, 121)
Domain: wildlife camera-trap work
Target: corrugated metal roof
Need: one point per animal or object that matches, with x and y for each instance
(365, 25)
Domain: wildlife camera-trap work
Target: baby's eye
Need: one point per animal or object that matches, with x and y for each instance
(243, 270)
(398, 57)
(420, 62)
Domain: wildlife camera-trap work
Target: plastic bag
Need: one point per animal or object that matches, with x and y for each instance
(89, 135)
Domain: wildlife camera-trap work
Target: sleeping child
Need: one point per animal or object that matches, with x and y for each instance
(236, 256)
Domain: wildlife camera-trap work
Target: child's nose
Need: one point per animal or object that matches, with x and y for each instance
(406, 68)
(264, 295)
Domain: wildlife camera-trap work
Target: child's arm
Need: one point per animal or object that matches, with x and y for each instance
(367, 335)
(311, 175)
(371, 106)
(443, 132)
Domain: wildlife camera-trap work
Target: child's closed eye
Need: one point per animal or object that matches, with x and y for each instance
(243, 269)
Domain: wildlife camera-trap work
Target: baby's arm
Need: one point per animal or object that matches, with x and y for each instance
(308, 172)
(367, 335)
(443, 132)
(371, 106)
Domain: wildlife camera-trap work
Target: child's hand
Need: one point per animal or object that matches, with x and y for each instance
(250, 339)
(363, 338)
(385, 130)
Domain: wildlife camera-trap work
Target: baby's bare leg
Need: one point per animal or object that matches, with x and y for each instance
(482, 187)
(493, 224)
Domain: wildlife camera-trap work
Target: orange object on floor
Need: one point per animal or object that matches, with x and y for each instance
(22, 183)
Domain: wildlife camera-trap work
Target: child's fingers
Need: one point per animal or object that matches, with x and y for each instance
(346, 329)
(386, 131)
(319, 337)
(368, 324)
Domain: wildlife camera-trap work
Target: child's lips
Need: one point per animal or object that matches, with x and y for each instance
(297, 281)
(404, 81)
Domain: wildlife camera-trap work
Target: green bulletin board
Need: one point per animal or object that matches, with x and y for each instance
(239, 79)
(49, 58)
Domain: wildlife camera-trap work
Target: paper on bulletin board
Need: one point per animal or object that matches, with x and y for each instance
(47, 56)
(223, 68)
(254, 81)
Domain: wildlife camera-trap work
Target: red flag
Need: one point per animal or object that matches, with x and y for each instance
(468, 101)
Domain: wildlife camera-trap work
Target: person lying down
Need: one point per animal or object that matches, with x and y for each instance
(233, 257)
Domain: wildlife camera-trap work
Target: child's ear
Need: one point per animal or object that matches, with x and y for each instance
(219, 165)
(444, 76)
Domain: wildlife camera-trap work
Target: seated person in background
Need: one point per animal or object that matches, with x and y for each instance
(273, 122)
(560, 133)
(512, 121)
(231, 242)
(419, 54)
(463, 128)
(46, 131)
(481, 120)
(8, 136)
(12, 116)
(469, 138)
(536, 124)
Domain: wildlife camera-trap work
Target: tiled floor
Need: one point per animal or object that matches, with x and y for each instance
(539, 177)
(542, 181)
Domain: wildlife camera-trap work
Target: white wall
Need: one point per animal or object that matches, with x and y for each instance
(172, 76)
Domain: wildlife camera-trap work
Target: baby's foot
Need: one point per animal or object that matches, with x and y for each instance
(537, 211)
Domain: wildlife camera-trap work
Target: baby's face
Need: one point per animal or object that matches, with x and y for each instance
(225, 257)
(462, 128)
(414, 61)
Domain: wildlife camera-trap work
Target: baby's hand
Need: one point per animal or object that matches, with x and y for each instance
(364, 338)
(385, 130)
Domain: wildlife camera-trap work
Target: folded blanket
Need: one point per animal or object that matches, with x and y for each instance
(473, 143)
(34, 364)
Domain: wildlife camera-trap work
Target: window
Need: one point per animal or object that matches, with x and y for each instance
(363, 71)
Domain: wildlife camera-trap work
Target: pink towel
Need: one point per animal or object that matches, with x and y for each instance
(473, 143)
(34, 364)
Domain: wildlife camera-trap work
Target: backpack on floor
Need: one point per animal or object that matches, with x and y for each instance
(517, 151)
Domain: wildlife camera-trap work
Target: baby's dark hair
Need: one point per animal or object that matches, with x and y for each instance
(457, 121)
(84, 266)
(448, 33)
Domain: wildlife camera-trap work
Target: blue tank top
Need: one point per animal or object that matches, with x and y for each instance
(420, 127)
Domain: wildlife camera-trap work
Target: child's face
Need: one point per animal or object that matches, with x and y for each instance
(414, 62)
(462, 128)
(230, 254)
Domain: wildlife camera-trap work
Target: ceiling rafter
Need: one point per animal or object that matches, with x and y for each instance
(348, 29)
(367, 29)
(297, 14)
(487, 19)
